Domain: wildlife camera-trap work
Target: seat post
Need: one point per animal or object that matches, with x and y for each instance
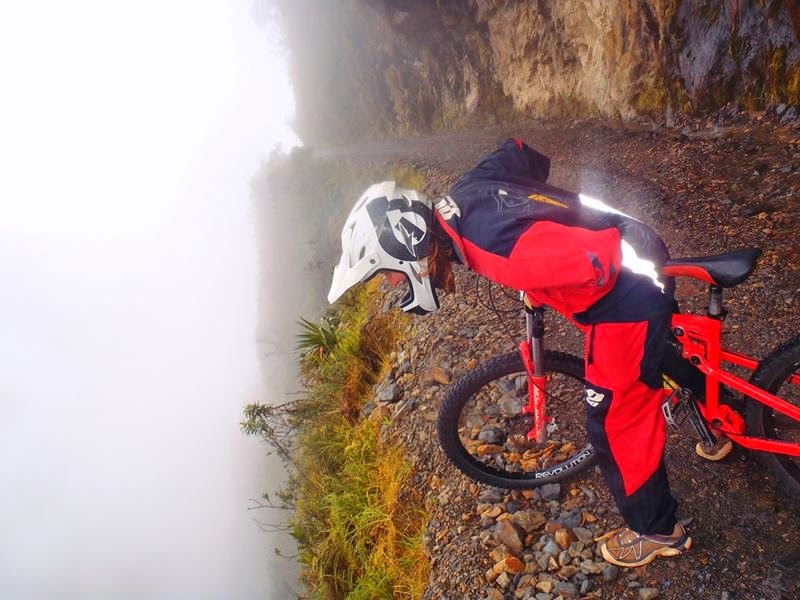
(715, 309)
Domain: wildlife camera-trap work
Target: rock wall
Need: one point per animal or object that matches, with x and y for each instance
(366, 67)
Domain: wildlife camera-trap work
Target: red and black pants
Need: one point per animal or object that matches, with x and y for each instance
(625, 424)
(626, 342)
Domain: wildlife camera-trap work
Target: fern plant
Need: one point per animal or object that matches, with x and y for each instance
(315, 340)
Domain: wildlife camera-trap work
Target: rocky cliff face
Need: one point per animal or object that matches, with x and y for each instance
(363, 67)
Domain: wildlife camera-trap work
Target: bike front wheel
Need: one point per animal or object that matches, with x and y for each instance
(775, 374)
(483, 429)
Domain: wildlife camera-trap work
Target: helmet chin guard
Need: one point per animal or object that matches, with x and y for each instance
(388, 229)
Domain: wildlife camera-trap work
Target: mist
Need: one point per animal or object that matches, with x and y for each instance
(133, 286)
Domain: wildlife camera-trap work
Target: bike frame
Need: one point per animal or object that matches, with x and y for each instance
(701, 340)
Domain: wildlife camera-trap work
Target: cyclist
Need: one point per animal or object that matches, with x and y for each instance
(592, 263)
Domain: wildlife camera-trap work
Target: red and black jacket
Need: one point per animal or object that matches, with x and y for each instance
(507, 224)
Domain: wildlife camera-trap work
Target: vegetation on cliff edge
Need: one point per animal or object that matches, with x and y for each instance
(357, 520)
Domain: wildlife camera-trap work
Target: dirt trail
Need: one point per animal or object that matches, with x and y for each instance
(705, 190)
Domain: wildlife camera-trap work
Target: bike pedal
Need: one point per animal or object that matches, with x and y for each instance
(716, 452)
(671, 409)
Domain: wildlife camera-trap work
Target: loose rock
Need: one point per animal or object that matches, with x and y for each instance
(584, 535)
(529, 520)
(491, 495)
(510, 564)
(550, 491)
(390, 393)
(438, 375)
(589, 567)
(507, 533)
(611, 572)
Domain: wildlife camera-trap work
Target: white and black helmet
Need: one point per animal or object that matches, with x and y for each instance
(388, 230)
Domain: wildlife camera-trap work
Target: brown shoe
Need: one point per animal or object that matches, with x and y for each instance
(626, 548)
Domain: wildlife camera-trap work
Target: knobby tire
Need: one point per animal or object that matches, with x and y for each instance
(468, 398)
(773, 375)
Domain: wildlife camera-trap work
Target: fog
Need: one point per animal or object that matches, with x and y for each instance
(130, 279)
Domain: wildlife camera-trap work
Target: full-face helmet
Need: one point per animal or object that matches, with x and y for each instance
(389, 229)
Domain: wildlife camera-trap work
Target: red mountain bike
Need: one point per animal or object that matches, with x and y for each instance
(515, 421)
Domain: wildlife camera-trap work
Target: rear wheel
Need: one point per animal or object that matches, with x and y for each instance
(482, 428)
(774, 375)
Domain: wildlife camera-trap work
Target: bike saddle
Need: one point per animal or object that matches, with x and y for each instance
(723, 270)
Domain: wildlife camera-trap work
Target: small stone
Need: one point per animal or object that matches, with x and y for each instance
(567, 589)
(492, 512)
(491, 576)
(550, 491)
(571, 518)
(491, 495)
(488, 449)
(529, 520)
(563, 538)
(498, 553)
(525, 581)
(585, 585)
(545, 586)
(509, 534)
(543, 596)
(611, 572)
(390, 393)
(438, 375)
(510, 564)
(648, 593)
(552, 527)
(494, 594)
(491, 435)
(509, 406)
(551, 548)
(589, 567)
(503, 580)
(543, 560)
(564, 558)
(482, 507)
(575, 549)
(584, 535)
(568, 571)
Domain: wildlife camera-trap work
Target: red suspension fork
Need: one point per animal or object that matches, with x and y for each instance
(532, 350)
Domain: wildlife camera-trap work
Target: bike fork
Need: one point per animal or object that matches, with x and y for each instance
(532, 350)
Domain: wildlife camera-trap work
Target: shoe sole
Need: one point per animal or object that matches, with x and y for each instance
(669, 551)
(721, 453)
